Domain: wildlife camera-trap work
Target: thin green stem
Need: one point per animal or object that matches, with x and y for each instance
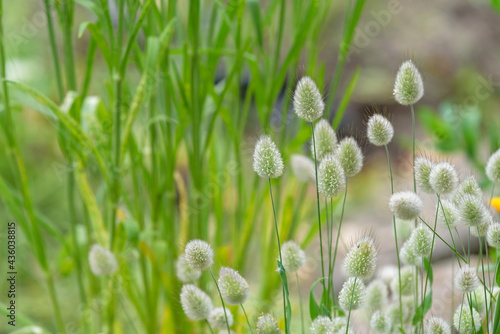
(209, 327)
(337, 241)
(53, 48)
(319, 210)
(350, 305)
(300, 303)
(279, 250)
(221, 299)
(413, 141)
(395, 237)
(246, 317)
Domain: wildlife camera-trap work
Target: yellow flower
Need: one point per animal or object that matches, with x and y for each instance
(495, 202)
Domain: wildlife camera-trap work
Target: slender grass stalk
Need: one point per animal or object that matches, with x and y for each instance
(395, 238)
(209, 327)
(484, 277)
(319, 210)
(300, 304)
(221, 299)
(337, 242)
(279, 250)
(350, 305)
(53, 48)
(246, 317)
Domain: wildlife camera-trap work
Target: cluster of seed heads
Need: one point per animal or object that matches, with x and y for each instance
(217, 318)
(186, 273)
(493, 167)
(361, 258)
(422, 168)
(293, 257)
(376, 295)
(379, 130)
(199, 254)
(266, 324)
(436, 325)
(322, 325)
(307, 100)
(466, 319)
(331, 177)
(233, 287)
(353, 294)
(466, 279)
(443, 178)
(350, 156)
(380, 322)
(406, 205)
(303, 168)
(195, 303)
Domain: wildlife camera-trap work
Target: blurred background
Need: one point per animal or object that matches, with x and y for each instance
(454, 43)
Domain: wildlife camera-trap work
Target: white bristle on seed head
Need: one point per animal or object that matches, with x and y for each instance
(423, 167)
(361, 258)
(436, 325)
(448, 214)
(267, 161)
(293, 256)
(409, 87)
(233, 287)
(307, 100)
(408, 256)
(217, 318)
(466, 322)
(199, 254)
(331, 177)
(186, 273)
(407, 282)
(102, 261)
(493, 167)
(443, 178)
(376, 295)
(353, 294)
(471, 210)
(266, 324)
(468, 186)
(325, 140)
(195, 303)
(466, 279)
(421, 240)
(322, 325)
(379, 130)
(481, 230)
(303, 168)
(493, 235)
(350, 156)
(380, 322)
(406, 205)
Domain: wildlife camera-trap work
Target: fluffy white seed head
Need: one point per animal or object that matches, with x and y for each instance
(331, 177)
(493, 235)
(325, 140)
(387, 273)
(233, 287)
(380, 322)
(409, 87)
(407, 310)
(466, 321)
(267, 161)
(322, 325)
(436, 325)
(404, 229)
(468, 186)
(303, 168)
(339, 324)
(466, 279)
(408, 256)
(481, 230)
(376, 295)
(102, 261)
(186, 273)
(471, 210)
(293, 257)
(266, 324)
(307, 100)
(218, 320)
(443, 178)
(493, 167)
(353, 294)
(406, 205)
(448, 214)
(199, 254)
(478, 299)
(423, 167)
(361, 258)
(380, 130)
(421, 240)
(195, 303)
(350, 156)
(407, 282)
